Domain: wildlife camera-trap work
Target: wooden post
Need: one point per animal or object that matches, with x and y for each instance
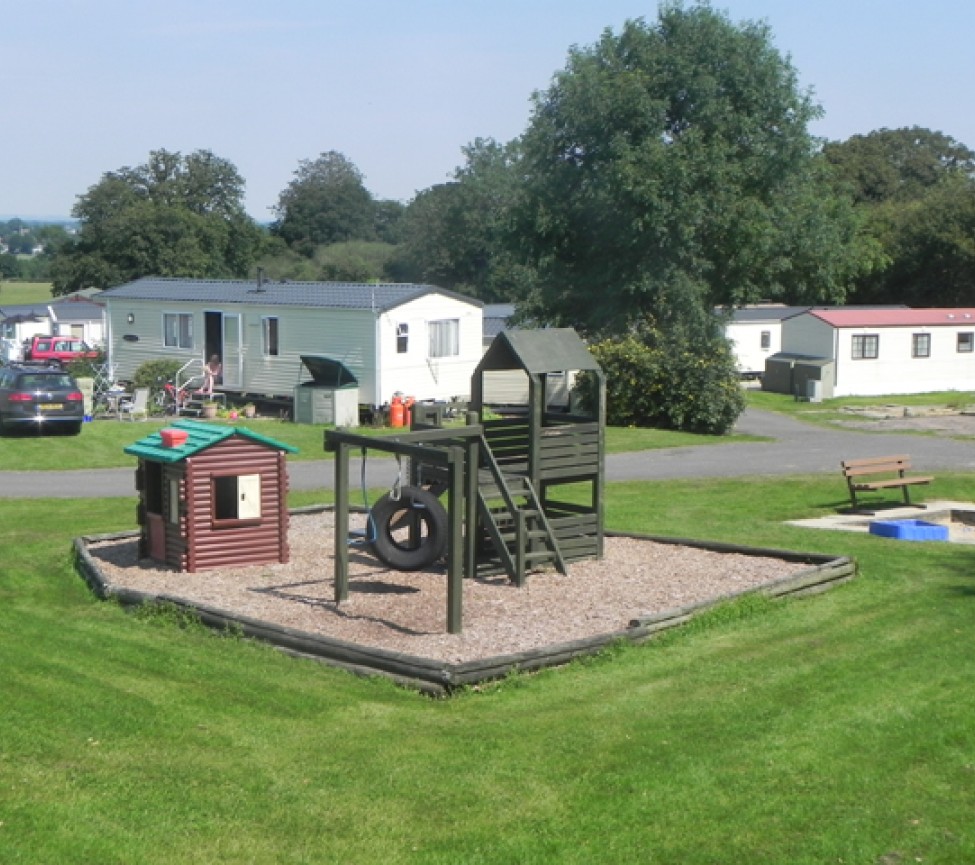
(455, 544)
(472, 479)
(342, 522)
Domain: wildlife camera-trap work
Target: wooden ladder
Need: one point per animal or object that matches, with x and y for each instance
(512, 516)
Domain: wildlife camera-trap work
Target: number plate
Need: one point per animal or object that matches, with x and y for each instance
(51, 406)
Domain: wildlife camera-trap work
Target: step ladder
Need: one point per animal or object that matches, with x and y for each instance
(519, 535)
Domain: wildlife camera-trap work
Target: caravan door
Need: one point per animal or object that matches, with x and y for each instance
(233, 356)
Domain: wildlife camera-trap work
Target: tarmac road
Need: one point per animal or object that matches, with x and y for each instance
(796, 448)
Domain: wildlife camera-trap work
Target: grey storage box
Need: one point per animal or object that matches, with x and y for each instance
(332, 395)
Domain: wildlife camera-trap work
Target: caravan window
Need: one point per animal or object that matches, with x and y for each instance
(866, 346)
(402, 338)
(445, 338)
(966, 341)
(270, 339)
(177, 330)
(921, 345)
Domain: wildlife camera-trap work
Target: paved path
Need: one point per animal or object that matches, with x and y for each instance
(796, 448)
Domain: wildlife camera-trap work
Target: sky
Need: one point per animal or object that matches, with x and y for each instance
(398, 87)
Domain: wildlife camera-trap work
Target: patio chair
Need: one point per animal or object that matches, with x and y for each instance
(135, 408)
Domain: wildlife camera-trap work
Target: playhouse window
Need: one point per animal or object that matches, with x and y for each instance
(445, 338)
(174, 500)
(270, 332)
(236, 498)
(178, 330)
(921, 345)
(402, 338)
(866, 346)
(966, 342)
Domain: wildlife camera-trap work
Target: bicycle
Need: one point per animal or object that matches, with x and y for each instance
(172, 399)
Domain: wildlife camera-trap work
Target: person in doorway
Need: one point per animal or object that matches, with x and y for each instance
(211, 374)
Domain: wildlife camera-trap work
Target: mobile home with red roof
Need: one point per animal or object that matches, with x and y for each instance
(887, 351)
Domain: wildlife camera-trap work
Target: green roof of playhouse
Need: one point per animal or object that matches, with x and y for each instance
(199, 437)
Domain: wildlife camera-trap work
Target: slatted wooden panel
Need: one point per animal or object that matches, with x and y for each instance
(569, 451)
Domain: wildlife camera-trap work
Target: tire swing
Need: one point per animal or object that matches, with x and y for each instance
(409, 528)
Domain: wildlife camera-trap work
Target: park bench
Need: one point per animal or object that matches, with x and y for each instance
(880, 473)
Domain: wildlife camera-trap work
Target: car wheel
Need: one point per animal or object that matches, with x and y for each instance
(72, 429)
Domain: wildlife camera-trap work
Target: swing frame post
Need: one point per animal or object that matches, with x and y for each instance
(456, 549)
(455, 450)
(341, 522)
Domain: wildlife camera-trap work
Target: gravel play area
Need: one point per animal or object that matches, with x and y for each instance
(406, 612)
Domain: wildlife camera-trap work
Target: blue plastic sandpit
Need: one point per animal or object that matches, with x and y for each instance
(909, 530)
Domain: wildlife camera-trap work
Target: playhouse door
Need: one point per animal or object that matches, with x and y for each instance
(233, 359)
(157, 536)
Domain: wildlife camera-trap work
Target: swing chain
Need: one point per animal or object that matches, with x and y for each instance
(396, 491)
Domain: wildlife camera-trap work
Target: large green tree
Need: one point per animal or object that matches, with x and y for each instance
(929, 248)
(327, 202)
(667, 169)
(916, 193)
(897, 164)
(173, 216)
(459, 235)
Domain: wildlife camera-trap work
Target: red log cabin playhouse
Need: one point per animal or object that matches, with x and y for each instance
(211, 496)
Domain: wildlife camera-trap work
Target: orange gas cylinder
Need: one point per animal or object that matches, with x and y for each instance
(397, 412)
(408, 414)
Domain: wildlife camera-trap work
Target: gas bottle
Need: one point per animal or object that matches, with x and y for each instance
(397, 412)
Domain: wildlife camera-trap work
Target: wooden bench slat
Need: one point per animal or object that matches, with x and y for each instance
(868, 461)
(893, 482)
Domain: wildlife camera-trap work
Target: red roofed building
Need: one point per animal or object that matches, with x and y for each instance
(872, 352)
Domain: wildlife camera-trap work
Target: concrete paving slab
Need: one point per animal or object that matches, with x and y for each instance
(958, 516)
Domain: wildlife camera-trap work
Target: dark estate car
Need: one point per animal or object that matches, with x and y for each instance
(40, 397)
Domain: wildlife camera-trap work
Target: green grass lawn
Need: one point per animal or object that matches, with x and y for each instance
(830, 410)
(101, 443)
(837, 728)
(12, 293)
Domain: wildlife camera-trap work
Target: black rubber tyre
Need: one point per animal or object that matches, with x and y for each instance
(391, 520)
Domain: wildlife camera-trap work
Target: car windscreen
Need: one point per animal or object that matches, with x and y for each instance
(46, 382)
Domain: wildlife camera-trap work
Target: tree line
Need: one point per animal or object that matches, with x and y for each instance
(27, 248)
(666, 171)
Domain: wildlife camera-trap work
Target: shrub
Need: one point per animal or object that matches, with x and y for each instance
(667, 382)
(153, 374)
(87, 367)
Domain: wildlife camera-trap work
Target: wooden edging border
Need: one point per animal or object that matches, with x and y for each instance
(438, 677)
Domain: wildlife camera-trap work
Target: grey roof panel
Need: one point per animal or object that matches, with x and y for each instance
(765, 313)
(331, 295)
(496, 317)
(74, 310)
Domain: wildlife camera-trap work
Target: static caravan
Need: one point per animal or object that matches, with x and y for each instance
(888, 351)
(418, 340)
(71, 316)
(756, 334)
